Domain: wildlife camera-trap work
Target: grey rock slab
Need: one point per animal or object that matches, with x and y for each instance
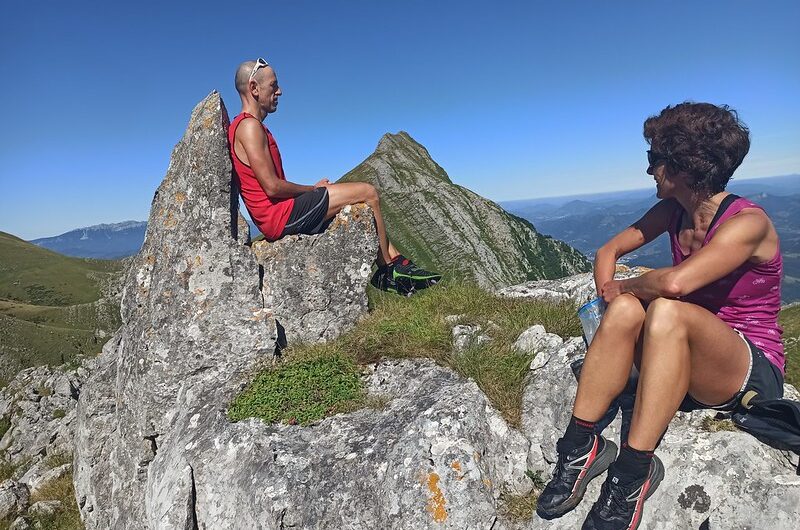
(579, 288)
(465, 336)
(14, 498)
(536, 339)
(19, 524)
(437, 456)
(315, 286)
(44, 507)
(728, 478)
(37, 482)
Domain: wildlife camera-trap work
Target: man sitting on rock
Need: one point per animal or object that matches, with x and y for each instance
(279, 207)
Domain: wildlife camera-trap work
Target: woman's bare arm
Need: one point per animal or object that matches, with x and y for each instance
(650, 226)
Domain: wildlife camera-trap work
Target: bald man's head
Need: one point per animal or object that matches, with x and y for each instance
(243, 74)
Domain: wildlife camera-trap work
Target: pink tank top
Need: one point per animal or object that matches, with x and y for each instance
(749, 298)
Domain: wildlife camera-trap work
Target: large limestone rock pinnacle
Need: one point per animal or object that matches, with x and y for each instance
(195, 328)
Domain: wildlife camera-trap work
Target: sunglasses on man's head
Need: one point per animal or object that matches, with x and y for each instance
(260, 63)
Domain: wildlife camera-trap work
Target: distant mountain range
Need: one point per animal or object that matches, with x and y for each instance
(588, 221)
(104, 241)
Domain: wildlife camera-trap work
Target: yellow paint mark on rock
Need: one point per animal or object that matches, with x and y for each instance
(436, 502)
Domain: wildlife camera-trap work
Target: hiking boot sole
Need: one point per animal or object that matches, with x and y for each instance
(601, 463)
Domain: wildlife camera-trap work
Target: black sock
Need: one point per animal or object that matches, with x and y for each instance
(631, 464)
(579, 433)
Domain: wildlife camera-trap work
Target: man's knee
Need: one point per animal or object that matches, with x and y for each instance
(370, 193)
(664, 315)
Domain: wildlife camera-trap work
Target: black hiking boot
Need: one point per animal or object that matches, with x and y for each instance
(409, 278)
(572, 474)
(620, 505)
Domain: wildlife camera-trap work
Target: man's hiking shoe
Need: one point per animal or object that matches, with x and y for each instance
(620, 506)
(409, 278)
(572, 474)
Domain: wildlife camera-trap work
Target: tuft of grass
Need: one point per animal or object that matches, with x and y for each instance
(398, 328)
(712, 424)
(6, 470)
(789, 319)
(67, 516)
(5, 425)
(59, 413)
(57, 459)
(301, 392)
(521, 507)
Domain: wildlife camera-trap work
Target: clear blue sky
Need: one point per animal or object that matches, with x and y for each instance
(529, 99)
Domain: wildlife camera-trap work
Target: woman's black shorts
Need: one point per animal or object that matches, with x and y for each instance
(308, 213)
(764, 378)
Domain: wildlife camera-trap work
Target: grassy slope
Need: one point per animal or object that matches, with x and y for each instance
(790, 321)
(35, 275)
(48, 309)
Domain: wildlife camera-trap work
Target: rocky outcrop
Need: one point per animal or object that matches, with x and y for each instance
(436, 456)
(195, 328)
(37, 408)
(579, 288)
(312, 293)
(448, 228)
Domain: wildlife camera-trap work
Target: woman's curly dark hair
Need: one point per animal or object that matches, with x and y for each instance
(708, 142)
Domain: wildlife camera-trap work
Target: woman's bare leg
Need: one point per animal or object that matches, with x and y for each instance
(610, 358)
(342, 194)
(686, 349)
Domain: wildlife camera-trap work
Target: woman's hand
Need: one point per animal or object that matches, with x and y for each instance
(322, 183)
(611, 289)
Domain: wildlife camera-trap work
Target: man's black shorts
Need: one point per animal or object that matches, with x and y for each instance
(308, 213)
(764, 377)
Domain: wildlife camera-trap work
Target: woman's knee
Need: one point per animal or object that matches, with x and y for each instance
(625, 310)
(664, 315)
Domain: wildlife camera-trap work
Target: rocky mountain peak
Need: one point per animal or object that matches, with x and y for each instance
(448, 228)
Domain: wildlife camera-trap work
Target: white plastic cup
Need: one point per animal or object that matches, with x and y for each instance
(590, 314)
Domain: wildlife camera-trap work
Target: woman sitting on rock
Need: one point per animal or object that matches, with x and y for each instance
(701, 333)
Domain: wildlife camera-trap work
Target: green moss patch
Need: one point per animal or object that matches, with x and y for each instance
(301, 392)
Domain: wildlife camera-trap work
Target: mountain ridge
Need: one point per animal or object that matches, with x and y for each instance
(450, 228)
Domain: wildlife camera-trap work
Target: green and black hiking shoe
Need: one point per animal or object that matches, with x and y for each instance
(409, 278)
(382, 280)
(403, 277)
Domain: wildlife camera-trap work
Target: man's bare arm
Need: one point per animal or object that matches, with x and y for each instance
(251, 137)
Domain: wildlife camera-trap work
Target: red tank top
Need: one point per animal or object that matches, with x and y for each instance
(749, 298)
(269, 215)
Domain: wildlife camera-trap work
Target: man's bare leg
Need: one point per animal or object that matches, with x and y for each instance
(342, 194)
(686, 348)
(609, 358)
